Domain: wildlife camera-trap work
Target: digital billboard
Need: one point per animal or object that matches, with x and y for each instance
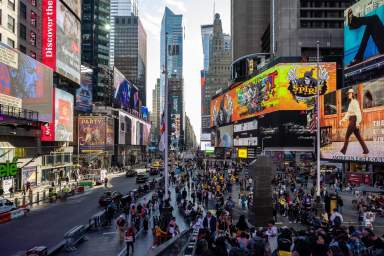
(133, 131)
(363, 32)
(84, 93)
(285, 86)
(352, 123)
(68, 33)
(224, 136)
(92, 133)
(126, 95)
(63, 115)
(31, 81)
(48, 37)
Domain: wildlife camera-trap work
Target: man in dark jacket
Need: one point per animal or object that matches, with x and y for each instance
(209, 223)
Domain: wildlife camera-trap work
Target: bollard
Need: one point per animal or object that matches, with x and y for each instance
(23, 200)
(44, 196)
(38, 197)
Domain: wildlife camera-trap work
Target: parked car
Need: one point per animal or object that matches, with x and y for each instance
(6, 205)
(141, 178)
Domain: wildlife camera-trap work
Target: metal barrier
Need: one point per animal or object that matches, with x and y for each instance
(98, 220)
(174, 246)
(73, 236)
(191, 247)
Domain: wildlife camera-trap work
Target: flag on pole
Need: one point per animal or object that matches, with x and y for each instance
(162, 132)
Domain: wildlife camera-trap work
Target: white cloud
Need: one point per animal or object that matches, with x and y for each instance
(178, 4)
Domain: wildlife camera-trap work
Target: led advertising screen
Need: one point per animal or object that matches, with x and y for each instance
(224, 137)
(63, 116)
(175, 130)
(31, 81)
(286, 86)
(363, 32)
(84, 93)
(126, 94)
(352, 123)
(92, 133)
(68, 32)
(110, 135)
(75, 6)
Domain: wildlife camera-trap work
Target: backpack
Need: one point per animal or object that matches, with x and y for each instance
(337, 221)
(129, 237)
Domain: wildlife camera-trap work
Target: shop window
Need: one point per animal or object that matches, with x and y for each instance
(373, 94)
(330, 103)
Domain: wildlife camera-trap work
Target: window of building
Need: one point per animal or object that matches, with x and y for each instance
(11, 23)
(330, 103)
(11, 43)
(373, 94)
(11, 4)
(32, 38)
(33, 18)
(22, 48)
(23, 32)
(32, 54)
(23, 10)
(34, 2)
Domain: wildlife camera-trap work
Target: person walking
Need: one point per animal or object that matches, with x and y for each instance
(272, 237)
(130, 239)
(354, 118)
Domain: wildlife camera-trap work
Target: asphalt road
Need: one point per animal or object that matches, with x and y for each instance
(46, 225)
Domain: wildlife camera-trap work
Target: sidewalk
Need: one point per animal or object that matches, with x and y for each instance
(106, 241)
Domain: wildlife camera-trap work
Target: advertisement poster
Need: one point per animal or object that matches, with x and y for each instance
(48, 37)
(354, 130)
(224, 137)
(110, 134)
(63, 116)
(84, 93)
(29, 174)
(92, 131)
(175, 130)
(32, 82)
(75, 6)
(286, 86)
(363, 32)
(68, 58)
(126, 94)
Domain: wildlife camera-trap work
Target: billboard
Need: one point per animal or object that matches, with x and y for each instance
(175, 130)
(48, 37)
(285, 86)
(31, 81)
(84, 93)
(92, 133)
(126, 95)
(63, 115)
(352, 123)
(68, 32)
(133, 131)
(363, 32)
(224, 137)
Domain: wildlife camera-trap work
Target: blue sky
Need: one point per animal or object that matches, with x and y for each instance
(195, 13)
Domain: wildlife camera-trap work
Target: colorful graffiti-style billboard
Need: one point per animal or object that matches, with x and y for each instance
(286, 86)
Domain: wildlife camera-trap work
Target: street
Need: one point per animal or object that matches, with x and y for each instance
(47, 225)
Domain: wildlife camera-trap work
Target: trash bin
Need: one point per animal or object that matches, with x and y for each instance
(332, 202)
(37, 251)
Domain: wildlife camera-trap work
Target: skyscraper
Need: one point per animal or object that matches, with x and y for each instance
(95, 44)
(171, 46)
(218, 73)
(119, 8)
(131, 51)
(206, 36)
(155, 115)
(172, 28)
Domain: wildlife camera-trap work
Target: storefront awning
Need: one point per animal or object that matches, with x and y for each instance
(6, 145)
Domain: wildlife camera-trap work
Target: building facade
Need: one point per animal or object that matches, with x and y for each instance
(249, 20)
(206, 36)
(9, 22)
(130, 51)
(155, 114)
(95, 44)
(176, 114)
(190, 137)
(172, 33)
(119, 8)
(29, 36)
(217, 77)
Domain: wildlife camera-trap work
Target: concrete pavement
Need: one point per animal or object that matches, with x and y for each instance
(46, 224)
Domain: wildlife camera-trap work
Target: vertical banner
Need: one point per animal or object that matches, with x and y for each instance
(48, 55)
